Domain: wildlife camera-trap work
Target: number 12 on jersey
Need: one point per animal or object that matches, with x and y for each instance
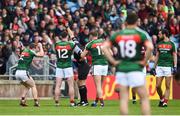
(127, 48)
(62, 53)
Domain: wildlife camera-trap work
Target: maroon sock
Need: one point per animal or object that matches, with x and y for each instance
(56, 101)
(162, 98)
(23, 98)
(97, 99)
(71, 101)
(166, 101)
(101, 100)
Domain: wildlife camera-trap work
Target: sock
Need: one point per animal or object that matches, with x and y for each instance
(162, 98)
(23, 98)
(71, 101)
(97, 98)
(134, 97)
(35, 100)
(56, 101)
(166, 101)
(83, 93)
(101, 100)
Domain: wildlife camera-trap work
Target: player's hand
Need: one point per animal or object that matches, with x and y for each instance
(115, 63)
(174, 70)
(39, 45)
(153, 71)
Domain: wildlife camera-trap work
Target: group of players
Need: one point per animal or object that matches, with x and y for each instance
(129, 64)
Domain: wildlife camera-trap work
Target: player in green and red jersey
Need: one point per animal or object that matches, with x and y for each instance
(64, 50)
(130, 63)
(165, 64)
(99, 65)
(22, 74)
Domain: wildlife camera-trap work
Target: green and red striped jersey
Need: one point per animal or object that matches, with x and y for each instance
(25, 60)
(64, 51)
(129, 43)
(94, 47)
(166, 50)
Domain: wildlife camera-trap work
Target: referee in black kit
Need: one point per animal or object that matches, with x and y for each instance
(83, 70)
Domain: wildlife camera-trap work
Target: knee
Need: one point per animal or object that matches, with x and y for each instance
(32, 85)
(168, 87)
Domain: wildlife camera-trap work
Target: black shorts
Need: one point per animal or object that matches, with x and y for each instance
(83, 70)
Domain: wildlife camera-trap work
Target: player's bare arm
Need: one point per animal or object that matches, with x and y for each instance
(84, 53)
(156, 59)
(41, 51)
(70, 32)
(106, 48)
(149, 47)
(175, 59)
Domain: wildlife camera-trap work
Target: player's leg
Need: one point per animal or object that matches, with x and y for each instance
(159, 79)
(68, 73)
(32, 84)
(25, 90)
(159, 89)
(137, 81)
(28, 82)
(70, 82)
(124, 92)
(145, 105)
(99, 71)
(167, 91)
(57, 91)
(168, 76)
(133, 96)
(122, 80)
(98, 84)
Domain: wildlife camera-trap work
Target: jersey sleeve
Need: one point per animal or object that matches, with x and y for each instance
(33, 52)
(145, 37)
(72, 44)
(173, 47)
(88, 46)
(113, 38)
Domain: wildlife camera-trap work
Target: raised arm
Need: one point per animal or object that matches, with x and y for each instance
(84, 53)
(70, 32)
(41, 51)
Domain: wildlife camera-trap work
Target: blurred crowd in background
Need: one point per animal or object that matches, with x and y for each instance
(31, 21)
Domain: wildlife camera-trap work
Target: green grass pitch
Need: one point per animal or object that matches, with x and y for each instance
(11, 107)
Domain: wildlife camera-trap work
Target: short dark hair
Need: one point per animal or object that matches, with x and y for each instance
(165, 31)
(94, 34)
(64, 34)
(131, 17)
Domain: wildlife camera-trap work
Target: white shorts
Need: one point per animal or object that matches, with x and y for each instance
(163, 71)
(131, 79)
(101, 70)
(64, 72)
(22, 75)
